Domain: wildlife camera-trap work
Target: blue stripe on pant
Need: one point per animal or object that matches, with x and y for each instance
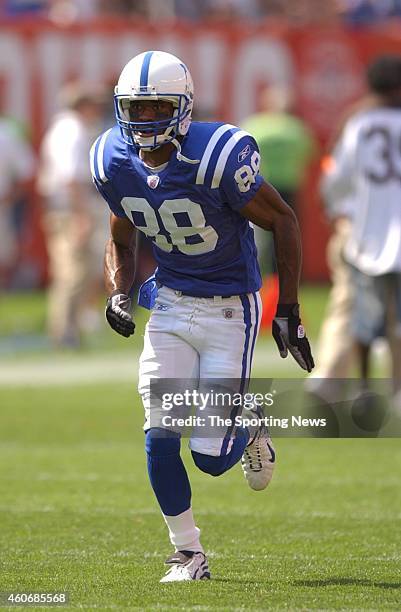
(255, 330)
(244, 374)
(218, 465)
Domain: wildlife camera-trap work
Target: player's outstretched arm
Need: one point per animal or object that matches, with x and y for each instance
(269, 211)
(119, 274)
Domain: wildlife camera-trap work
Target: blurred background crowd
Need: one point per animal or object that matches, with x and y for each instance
(298, 12)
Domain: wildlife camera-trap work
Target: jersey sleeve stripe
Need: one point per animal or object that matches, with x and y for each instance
(200, 177)
(99, 157)
(221, 162)
(92, 157)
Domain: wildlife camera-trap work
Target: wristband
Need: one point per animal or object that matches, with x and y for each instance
(287, 310)
(117, 292)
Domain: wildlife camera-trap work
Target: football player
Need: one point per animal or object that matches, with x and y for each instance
(193, 188)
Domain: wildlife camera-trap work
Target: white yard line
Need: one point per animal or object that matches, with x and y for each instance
(69, 371)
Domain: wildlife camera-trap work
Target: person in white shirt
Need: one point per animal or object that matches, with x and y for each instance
(366, 175)
(75, 224)
(336, 352)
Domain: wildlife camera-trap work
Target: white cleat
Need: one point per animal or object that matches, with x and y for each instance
(187, 565)
(258, 460)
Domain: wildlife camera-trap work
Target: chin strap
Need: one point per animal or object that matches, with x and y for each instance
(182, 157)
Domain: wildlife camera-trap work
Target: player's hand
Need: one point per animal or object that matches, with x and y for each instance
(289, 335)
(118, 314)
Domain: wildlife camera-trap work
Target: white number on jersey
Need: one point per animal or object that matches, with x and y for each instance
(386, 146)
(246, 175)
(206, 235)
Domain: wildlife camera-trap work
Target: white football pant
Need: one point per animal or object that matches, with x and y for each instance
(202, 339)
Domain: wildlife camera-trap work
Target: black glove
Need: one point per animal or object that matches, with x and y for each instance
(118, 314)
(289, 335)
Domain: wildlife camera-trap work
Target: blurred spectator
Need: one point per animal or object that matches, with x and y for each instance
(231, 9)
(286, 144)
(368, 12)
(308, 12)
(160, 9)
(287, 147)
(189, 9)
(156, 10)
(68, 11)
(336, 355)
(273, 8)
(366, 175)
(75, 221)
(60, 11)
(16, 8)
(359, 11)
(395, 10)
(16, 173)
(133, 8)
(153, 10)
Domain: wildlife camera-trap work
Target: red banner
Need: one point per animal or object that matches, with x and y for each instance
(229, 64)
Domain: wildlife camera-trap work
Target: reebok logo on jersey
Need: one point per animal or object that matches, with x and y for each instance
(301, 331)
(153, 181)
(244, 153)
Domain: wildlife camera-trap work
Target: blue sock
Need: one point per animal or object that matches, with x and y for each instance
(215, 466)
(166, 471)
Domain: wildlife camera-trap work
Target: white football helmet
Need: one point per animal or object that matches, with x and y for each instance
(154, 75)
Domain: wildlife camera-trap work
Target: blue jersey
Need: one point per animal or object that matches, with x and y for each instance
(190, 209)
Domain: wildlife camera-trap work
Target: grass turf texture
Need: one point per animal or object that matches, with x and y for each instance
(77, 514)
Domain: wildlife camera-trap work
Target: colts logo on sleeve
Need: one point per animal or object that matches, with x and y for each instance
(153, 181)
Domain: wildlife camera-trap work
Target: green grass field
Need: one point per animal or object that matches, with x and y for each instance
(78, 515)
